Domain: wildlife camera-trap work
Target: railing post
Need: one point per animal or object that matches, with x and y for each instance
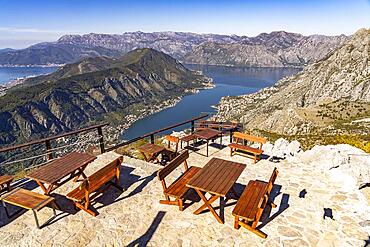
(101, 140)
(192, 126)
(152, 138)
(48, 149)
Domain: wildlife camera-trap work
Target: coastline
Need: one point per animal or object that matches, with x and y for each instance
(115, 132)
(49, 65)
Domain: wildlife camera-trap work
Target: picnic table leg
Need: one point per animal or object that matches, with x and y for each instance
(207, 203)
(13, 214)
(42, 186)
(50, 188)
(144, 156)
(36, 220)
(207, 147)
(79, 172)
(236, 222)
(8, 186)
(222, 208)
(6, 210)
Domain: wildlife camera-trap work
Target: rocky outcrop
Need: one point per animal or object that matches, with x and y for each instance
(297, 104)
(91, 91)
(343, 162)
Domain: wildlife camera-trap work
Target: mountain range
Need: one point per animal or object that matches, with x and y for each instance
(92, 90)
(275, 49)
(329, 96)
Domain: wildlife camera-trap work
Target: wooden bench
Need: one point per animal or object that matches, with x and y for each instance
(252, 202)
(169, 152)
(92, 186)
(238, 146)
(5, 182)
(178, 188)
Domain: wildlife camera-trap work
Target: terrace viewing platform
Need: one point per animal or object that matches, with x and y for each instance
(315, 205)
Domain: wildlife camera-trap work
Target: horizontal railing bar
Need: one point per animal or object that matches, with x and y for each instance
(173, 126)
(44, 154)
(7, 149)
(153, 133)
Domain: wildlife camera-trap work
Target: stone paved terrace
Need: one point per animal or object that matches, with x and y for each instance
(135, 217)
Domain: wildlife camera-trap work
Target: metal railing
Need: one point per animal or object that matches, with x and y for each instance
(153, 133)
(47, 142)
(47, 152)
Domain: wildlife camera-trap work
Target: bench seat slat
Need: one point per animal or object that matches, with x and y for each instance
(96, 180)
(178, 188)
(247, 204)
(246, 148)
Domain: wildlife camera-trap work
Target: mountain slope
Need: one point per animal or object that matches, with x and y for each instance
(329, 94)
(265, 50)
(53, 53)
(278, 49)
(90, 91)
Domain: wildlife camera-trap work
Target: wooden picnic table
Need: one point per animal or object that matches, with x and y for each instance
(151, 151)
(208, 134)
(224, 127)
(217, 178)
(50, 176)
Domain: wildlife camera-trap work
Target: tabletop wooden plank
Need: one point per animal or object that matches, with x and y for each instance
(216, 183)
(230, 177)
(200, 179)
(58, 169)
(151, 148)
(207, 134)
(217, 176)
(208, 179)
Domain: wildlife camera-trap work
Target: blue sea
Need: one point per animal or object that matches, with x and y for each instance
(229, 81)
(11, 73)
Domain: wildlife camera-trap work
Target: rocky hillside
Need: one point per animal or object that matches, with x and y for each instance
(90, 91)
(53, 53)
(275, 49)
(332, 95)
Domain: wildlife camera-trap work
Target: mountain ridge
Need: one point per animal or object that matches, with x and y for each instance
(180, 45)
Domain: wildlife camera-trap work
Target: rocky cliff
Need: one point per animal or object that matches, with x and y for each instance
(275, 49)
(332, 94)
(90, 91)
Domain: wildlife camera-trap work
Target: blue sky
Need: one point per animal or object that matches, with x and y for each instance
(27, 22)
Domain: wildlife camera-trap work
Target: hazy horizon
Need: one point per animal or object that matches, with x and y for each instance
(43, 21)
(81, 34)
